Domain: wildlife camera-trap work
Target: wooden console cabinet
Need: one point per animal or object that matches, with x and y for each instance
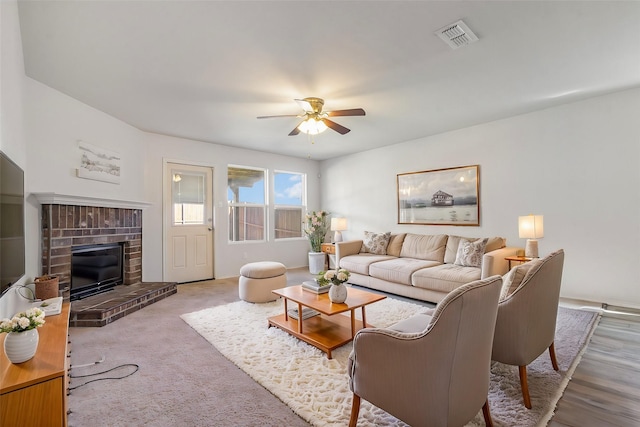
(34, 393)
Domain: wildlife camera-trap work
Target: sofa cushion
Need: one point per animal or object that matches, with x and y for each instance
(399, 270)
(445, 277)
(470, 253)
(453, 242)
(375, 243)
(360, 263)
(426, 247)
(513, 278)
(395, 244)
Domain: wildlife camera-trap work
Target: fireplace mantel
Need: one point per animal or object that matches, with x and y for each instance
(67, 199)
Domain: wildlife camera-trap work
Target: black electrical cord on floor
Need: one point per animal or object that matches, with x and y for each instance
(104, 372)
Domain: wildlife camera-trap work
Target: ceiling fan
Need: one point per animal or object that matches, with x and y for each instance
(315, 120)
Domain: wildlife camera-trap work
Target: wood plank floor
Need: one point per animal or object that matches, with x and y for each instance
(605, 387)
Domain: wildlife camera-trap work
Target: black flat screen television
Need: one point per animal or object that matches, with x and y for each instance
(12, 240)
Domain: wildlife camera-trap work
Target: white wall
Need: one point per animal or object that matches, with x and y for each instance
(56, 123)
(12, 140)
(577, 164)
(12, 137)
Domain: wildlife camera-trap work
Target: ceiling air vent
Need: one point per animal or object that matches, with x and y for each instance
(457, 35)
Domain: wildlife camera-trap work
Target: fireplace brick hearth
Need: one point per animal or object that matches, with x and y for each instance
(69, 221)
(102, 309)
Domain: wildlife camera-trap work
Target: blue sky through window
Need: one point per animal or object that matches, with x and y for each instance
(287, 189)
(253, 194)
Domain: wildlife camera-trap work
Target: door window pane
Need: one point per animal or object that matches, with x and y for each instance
(188, 196)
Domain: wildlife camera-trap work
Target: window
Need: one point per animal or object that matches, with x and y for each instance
(289, 192)
(247, 203)
(188, 194)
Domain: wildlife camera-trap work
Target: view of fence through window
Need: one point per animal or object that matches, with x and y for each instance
(246, 195)
(247, 203)
(289, 204)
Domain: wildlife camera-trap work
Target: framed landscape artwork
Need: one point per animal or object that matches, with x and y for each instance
(98, 163)
(440, 197)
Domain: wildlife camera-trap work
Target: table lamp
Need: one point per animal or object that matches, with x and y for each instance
(531, 227)
(338, 225)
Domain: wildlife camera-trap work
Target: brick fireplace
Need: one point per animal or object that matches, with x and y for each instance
(65, 226)
(71, 221)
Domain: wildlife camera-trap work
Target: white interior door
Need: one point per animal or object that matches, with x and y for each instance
(188, 218)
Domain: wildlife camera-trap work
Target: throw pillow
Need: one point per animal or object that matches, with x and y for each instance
(395, 244)
(495, 243)
(375, 243)
(470, 253)
(513, 278)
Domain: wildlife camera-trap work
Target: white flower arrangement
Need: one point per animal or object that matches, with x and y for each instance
(333, 276)
(23, 321)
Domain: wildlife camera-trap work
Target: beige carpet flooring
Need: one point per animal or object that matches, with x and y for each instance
(181, 381)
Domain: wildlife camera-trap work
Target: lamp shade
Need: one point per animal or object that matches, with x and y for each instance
(530, 227)
(338, 224)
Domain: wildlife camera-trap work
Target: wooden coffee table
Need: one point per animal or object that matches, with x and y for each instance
(330, 329)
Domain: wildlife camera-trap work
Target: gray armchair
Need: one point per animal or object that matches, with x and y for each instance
(430, 370)
(526, 323)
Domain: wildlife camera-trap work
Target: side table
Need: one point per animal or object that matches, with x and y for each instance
(330, 250)
(520, 259)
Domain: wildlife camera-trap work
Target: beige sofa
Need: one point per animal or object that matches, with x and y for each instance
(421, 266)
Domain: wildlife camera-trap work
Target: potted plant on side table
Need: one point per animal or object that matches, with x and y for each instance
(337, 278)
(22, 338)
(317, 225)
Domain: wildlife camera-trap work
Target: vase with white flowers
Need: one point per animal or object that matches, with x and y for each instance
(337, 278)
(22, 337)
(316, 227)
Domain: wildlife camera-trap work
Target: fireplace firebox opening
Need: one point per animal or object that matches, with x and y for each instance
(95, 269)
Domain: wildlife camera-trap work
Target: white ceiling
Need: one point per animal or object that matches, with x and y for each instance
(204, 70)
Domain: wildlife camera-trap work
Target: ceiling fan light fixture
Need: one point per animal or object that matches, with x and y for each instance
(315, 121)
(312, 126)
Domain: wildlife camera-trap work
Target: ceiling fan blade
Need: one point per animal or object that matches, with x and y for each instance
(304, 104)
(338, 128)
(281, 115)
(295, 131)
(350, 112)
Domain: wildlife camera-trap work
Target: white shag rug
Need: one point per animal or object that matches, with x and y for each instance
(317, 388)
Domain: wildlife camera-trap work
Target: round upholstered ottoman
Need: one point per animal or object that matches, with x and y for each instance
(258, 279)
